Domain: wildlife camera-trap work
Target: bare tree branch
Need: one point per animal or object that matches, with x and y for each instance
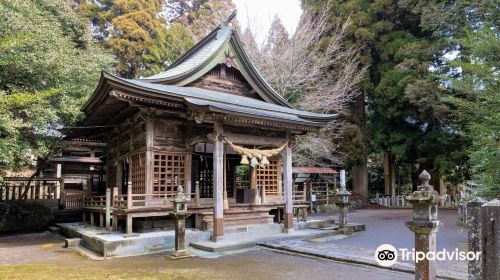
(316, 70)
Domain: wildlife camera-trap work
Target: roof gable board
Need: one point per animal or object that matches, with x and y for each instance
(210, 51)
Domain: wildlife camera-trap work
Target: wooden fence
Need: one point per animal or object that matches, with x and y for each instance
(73, 200)
(39, 189)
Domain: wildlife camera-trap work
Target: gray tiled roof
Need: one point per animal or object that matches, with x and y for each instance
(218, 101)
(198, 57)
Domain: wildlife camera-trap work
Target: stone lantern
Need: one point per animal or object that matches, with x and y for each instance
(180, 214)
(425, 224)
(180, 202)
(343, 196)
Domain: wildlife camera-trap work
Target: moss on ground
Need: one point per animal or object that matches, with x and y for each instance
(40, 271)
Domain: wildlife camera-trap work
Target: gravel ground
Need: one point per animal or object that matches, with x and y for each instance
(41, 256)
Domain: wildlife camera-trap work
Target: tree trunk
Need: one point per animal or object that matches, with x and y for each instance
(387, 173)
(360, 179)
(360, 169)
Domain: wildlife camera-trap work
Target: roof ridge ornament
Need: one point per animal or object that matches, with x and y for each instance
(225, 25)
(229, 18)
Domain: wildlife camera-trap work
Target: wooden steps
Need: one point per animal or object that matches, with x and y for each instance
(239, 216)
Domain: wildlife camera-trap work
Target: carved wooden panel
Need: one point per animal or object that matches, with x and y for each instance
(268, 178)
(168, 172)
(226, 79)
(169, 136)
(138, 130)
(138, 173)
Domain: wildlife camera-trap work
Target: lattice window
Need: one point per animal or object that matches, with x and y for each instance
(168, 172)
(230, 177)
(205, 177)
(138, 173)
(268, 178)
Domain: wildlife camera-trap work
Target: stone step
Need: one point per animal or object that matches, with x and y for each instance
(237, 211)
(207, 225)
(72, 242)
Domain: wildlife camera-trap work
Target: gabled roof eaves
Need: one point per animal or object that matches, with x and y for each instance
(194, 59)
(224, 102)
(205, 51)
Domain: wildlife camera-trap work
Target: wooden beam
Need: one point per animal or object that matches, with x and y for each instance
(245, 139)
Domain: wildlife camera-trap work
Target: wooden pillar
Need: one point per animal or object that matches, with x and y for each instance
(226, 203)
(119, 176)
(114, 222)
(92, 218)
(287, 187)
(253, 184)
(129, 195)
(149, 153)
(108, 208)
(129, 224)
(101, 219)
(188, 164)
(218, 182)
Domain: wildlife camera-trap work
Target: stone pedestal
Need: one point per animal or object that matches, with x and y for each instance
(180, 215)
(425, 225)
(180, 236)
(473, 219)
(490, 233)
(342, 213)
(425, 241)
(343, 196)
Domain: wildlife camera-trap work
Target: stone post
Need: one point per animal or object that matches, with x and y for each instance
(343, 196)
(474, 235)
(490, 220)
(180, 215)
(425, 225)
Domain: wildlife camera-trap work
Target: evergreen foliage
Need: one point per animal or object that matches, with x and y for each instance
(49, 66)
(477, 97)
(143, 42)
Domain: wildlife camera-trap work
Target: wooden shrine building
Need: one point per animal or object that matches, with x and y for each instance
(211, 124)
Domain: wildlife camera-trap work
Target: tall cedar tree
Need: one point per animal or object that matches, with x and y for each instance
(403, 42)
(200, 16)
(143, 42)
(49, 66)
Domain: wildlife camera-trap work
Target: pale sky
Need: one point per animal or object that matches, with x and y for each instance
(260, 13)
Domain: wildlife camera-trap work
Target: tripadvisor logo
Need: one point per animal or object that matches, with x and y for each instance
(387, 255)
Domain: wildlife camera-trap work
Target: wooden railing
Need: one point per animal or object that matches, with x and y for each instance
(73, 200)
(95, 201)
(14, 188)
(299, 196)
(133, 201)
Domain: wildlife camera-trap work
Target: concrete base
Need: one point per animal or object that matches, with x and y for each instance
(243, 238)
(113, 244)
(72, 242)
(182, 254)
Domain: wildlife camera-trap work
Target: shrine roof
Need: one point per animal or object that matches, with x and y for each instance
(215, 101)
(223, 42)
